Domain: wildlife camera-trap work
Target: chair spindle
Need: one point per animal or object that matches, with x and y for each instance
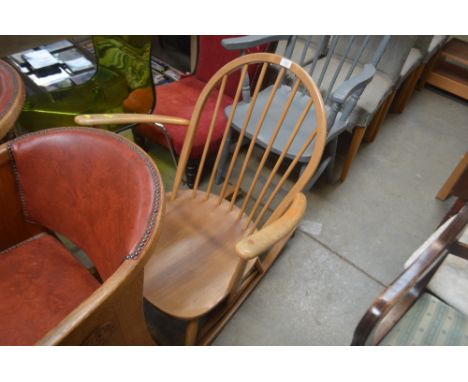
(281, 119)
(226, 130)
(210, 133)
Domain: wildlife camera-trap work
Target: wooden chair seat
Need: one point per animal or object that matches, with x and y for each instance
(195, 261)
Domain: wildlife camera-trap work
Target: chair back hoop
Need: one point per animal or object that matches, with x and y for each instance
(315, 140)
(331, 60)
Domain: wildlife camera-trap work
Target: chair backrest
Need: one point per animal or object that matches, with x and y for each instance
(95, 188)
(315, 141)
(330, 60)
(423, 42)
(212, 56)
(333, 60)
(395, 55)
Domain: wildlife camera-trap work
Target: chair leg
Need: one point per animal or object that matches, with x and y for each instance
(191, 332)
(353, 148)
(139, 139)
(323, 166)
(374, 127)
(332, 146)
(406, 90)
(191, 171)
(446, 189)
(427, 70)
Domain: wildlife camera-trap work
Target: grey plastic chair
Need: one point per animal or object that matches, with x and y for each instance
(410, 73)
(342, 67)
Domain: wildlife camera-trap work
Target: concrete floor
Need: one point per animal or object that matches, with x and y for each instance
(322, 284)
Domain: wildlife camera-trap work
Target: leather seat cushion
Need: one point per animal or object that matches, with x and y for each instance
(40, 284)
(178, 99)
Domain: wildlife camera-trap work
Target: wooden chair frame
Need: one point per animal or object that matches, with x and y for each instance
(258, 247)
(395, 301)
(111, 315)
(459, 174)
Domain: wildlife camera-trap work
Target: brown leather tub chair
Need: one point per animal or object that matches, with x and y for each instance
(103, 194)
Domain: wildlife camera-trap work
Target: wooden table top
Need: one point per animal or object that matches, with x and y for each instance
(12, 95)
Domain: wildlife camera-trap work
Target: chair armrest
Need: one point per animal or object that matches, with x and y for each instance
(396, 299)
(245, 42)
(260, 241)
(127, 118)
(353, 84)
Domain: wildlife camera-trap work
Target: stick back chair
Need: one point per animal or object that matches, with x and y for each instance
(103, 194)
(218, 242)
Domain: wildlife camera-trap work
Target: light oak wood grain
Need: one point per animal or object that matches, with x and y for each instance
(262, 240)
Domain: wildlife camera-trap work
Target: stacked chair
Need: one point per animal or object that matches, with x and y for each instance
(410, 73)
(430, 57)
(376, 100)
(217, 243)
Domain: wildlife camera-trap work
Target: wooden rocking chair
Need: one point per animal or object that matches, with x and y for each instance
(218, 242)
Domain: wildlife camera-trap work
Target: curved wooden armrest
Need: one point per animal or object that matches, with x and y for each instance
(396, 299)
(262, 240)
(127, 118)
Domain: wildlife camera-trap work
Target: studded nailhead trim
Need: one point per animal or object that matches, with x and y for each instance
(155, 208)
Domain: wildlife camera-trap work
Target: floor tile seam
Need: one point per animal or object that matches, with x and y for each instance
(345, 259)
